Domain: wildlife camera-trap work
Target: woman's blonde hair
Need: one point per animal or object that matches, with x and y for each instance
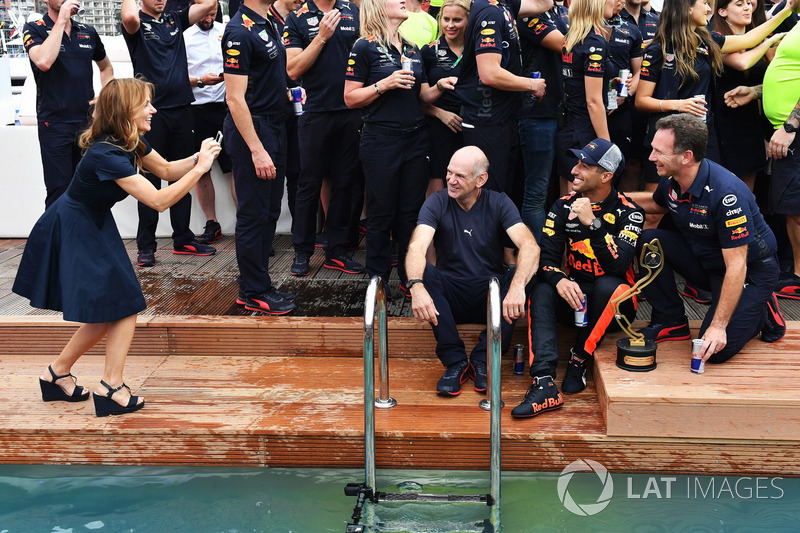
(463, 4)
(374, 21)
(115, 109)
(585, 16)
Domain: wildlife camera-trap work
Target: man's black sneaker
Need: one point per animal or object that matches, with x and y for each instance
(300, 264)
(575, 378)
(480, 374)
(269, 304)
(211, 234)
(242, 299)
(788, 286)
(146, 258)
(321, 241)
(775, 327)
(671, 331)
(700, 296)
(194, 248)
(344, 263)
(452, 379)
(542, 396)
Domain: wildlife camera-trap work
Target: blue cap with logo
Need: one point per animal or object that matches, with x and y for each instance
(603, 153)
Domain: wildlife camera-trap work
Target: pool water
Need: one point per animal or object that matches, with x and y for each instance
(105, 499)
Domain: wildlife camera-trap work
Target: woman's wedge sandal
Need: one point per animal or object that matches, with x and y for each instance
(52, 392)
(104, 405)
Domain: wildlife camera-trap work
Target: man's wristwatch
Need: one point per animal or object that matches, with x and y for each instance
(594, 225)
(412, 282)
(200, 83)
(789, 128)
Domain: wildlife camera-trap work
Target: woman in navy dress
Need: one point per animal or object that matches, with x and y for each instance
(75, 260)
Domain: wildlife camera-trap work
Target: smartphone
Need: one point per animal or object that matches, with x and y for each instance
(218, 138)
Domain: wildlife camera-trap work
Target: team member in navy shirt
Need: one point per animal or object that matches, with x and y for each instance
(542, 38)
(318, 39)
(721, 244)
(255, 76)
(394, 142)
(491, 80)
(61, 52)
(467, 224)
(644, 19)
(157, 50)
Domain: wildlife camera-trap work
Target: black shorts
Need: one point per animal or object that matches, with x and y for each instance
(784, 188)
(208, 119)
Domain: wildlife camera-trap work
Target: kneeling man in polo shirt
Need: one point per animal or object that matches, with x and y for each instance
(721, 244)
(468, 226)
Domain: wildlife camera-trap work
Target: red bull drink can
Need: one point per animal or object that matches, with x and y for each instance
(623, 75)
(297, 98)
(698, 365)
(581, 320)
(519, 361)
(406, 63)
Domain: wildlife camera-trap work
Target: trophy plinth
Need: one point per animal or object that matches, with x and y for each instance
(636, 355)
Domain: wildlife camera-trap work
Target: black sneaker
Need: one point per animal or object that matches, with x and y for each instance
(146, 258)
(700, 296)
(575, 379)
(788, 286)
(269, 304)
(194, 248)
(452, 379)
(671, 331)
(211, 234)
(542, 396)
(480, 374)
(242, 299)
(321, 241)
(300, 264)
(344, 263)
(775, 327)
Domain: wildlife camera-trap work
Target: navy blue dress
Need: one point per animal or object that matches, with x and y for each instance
(75, 260)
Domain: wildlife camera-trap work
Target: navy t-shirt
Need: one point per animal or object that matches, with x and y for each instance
(587, 59)
(252, 47)
(718, 211)
(158, 53)
(491, 29)
(63, 92)
(624, 45)
(469, 244)
(648, 22)
(324, 81)
(371, 62)
(441, 62)
(536, 57)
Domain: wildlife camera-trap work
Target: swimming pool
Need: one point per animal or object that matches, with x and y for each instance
(61, 499)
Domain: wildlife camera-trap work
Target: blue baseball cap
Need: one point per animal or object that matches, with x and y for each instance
(603, 153)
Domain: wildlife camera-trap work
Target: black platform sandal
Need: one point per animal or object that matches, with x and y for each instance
(104, 405)
(51, 392)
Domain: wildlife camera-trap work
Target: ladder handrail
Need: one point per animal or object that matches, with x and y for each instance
(493, 360)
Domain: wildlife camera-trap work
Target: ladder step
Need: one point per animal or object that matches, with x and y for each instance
(434, 498)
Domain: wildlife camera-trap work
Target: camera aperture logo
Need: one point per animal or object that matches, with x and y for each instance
(585, 509)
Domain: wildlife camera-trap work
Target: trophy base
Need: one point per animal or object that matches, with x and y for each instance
(635, 358)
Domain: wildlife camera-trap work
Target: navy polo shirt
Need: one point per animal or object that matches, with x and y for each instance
(536, 57)
(441, 62)
(251, 46)
(587, 59)
(370, 62)
(469, 244)
(63, 92)
(648, 22)
(491, 29)
(324, 81)
(659, 68)
(717, 211)
(624, 44)
(158, 53)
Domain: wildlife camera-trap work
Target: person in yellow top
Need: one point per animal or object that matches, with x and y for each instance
(419, 28)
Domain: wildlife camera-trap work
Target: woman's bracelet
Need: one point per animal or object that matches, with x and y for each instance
(661, 105)
(679, 106)
(196, 158)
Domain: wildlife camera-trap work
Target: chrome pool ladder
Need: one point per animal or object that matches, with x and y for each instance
(375, 305)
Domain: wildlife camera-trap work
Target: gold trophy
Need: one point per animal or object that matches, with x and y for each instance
(635, 353)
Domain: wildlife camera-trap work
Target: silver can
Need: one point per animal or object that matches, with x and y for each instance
(406, 63)
(581, 320)
(623, 75)
(698, 365)
(297, 99)
(519, 359)
(703, 97)
(80, 10)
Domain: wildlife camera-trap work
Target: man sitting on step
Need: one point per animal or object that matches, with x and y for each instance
(596, 228)
(468, 226)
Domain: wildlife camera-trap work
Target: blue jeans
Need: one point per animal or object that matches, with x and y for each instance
(537, 142)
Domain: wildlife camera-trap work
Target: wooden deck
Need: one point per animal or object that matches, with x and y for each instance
(224, 388)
